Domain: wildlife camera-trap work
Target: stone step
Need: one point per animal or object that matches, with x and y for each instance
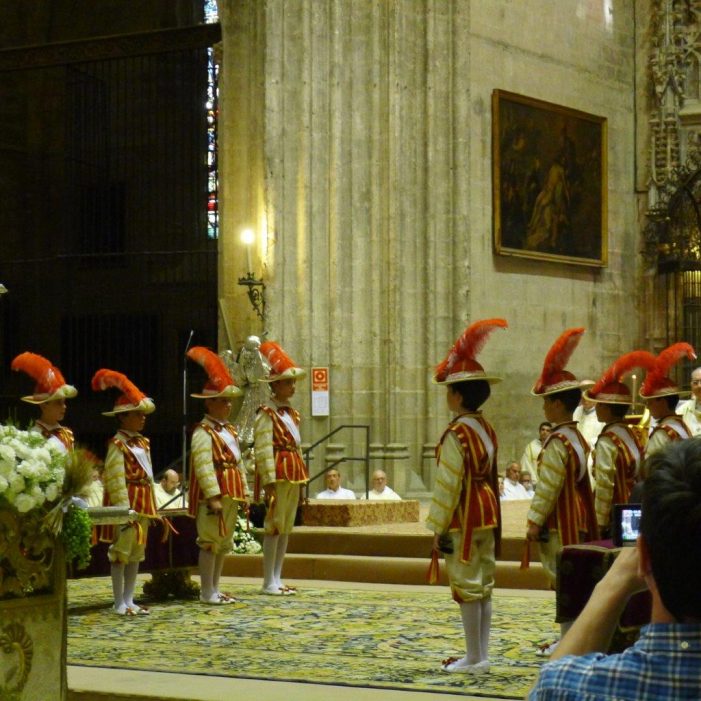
(337, 542)
(378, 569)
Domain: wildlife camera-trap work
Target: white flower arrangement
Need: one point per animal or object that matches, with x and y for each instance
(244, 542)
(32, 470)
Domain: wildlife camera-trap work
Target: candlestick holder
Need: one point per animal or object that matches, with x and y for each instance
(256, 293)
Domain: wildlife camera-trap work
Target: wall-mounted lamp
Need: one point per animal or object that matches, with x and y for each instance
(3, 289)
(256, 287)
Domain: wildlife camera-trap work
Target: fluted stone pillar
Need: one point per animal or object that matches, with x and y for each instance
(338, 146)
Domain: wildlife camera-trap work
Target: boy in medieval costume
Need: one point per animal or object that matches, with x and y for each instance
(128, 477)
(562, 508)
(280, 468)
(661, 394)
(50, 394)
(217, 480)
(620, 447)
(464, 514)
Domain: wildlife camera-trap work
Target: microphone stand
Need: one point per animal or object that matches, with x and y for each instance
(185, 475)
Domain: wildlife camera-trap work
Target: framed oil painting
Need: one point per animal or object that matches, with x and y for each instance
(548, 181)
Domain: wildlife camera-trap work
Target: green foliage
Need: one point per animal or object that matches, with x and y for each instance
(76, 536)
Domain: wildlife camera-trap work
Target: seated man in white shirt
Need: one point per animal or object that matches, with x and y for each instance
(380, 490)
(333, 487)
(167, 492)
(513, 489)
(527, 481)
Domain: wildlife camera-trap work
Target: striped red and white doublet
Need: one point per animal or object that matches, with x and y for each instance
(225, 464)
(478, 505)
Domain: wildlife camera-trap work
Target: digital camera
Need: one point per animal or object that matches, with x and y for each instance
(626, 524)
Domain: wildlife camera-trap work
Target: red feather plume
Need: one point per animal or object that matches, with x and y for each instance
(105, 379)
(559, 354)
(673, 354)
(623, 365)
(39, 369)
(278, 359)
(469, 345)
(213, 365)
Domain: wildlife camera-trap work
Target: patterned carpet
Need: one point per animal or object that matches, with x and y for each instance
(350, 637)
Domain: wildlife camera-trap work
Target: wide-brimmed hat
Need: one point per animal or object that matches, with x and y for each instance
(131, 397)
(460, 365)
(219, 382)
(610, 389)
(282, 367)
(50, 384)
(657, 382)
(554, 378)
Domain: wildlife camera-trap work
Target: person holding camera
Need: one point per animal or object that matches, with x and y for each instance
(464, 514)
(619, 448)
(665, 662)
(562, 508)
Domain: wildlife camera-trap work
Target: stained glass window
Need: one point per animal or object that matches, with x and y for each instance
(211, 15)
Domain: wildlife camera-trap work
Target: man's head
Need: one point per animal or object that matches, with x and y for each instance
(170, 481)
(544, 430)
(559, 406)
(379, 480)
(468, 395)
(218, 407)
(526, 479)
(662, 406)
(696, 384)
(53, 411)
(607, 413)
(333, 480)
(513, 471)
(671, 528)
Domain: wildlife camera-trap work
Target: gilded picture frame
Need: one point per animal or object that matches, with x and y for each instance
(548, 181)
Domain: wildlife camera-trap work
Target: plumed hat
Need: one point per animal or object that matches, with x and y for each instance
(610, 388)
(281, 365)
(131, 397)
(657, 383)
(220, 382)
(50, 384)
(554, 378)
(460, 365)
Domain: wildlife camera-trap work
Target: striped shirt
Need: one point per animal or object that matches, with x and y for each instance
(618, 456)
(665, 663)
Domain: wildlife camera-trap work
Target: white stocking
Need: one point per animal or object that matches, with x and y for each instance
(269, 556)
(218, 567)
(131, 569)
(117, 573)
(485, 628)
(279, 558)
(206, 567)
(471, 613)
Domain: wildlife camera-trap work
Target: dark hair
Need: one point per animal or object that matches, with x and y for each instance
(569, 397)
(474, 393)
(671, 526)
(672, 401)
(618, 410)
(545, 423)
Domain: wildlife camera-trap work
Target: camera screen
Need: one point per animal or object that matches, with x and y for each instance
(626, 524)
